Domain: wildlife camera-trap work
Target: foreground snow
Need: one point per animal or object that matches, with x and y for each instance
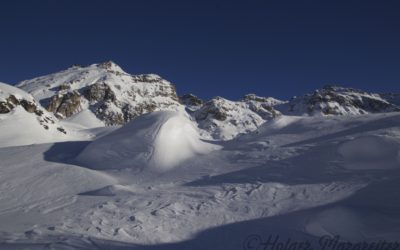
(297, 177)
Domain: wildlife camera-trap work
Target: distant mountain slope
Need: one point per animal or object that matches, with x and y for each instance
(114, 96)
(23, 121)
(104, 95)
(225, 119)
(335, 100)
(393, 98)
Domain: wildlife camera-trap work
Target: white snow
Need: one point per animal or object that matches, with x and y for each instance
(159, 141)
(6, 90)
(370, 152)
(303, 177)
(23, 128)
(84, 119)
(19, 127)
(155, 184)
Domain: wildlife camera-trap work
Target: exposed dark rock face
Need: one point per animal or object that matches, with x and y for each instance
(4, 108)
(212, 109)
(11, 102)
(65, 105)
(264, 110)
(225, 119)
(99, 92)
(270, 101)
(64, 86)
(190, 100)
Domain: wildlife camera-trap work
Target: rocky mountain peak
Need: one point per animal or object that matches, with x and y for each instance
(224, 119)
(267, 100)
(111, 66)
(190, 100)
(337, 100)
(112, 95)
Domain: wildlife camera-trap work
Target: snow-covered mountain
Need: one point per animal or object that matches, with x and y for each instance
(322, 164)
(336, 100)
(24, 121)
(220, 118)
(112, 95)
(103, 94)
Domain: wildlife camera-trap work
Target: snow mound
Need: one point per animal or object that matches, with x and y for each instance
(370, 152)
(158, 141)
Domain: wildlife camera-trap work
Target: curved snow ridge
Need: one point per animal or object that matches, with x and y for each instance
(158, 141)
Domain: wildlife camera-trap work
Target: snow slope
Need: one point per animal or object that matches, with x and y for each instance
(298, 177)
(328, 166)
(23, 121)
(158, 141)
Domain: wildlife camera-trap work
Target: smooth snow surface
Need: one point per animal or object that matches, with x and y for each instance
(159, 141)
(371, 152)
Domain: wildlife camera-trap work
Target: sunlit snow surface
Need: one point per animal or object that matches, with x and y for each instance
(297, 177)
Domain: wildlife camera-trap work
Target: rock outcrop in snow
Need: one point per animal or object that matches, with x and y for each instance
(224, 119)
(24, 120)
(157, 142)
(114, 96)
(335, 100)
(191, 101)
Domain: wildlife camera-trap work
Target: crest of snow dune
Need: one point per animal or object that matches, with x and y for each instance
(158, 141)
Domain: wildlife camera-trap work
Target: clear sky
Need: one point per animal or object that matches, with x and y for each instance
(210, 47)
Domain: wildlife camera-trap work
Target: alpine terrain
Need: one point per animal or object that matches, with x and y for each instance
(93, 157)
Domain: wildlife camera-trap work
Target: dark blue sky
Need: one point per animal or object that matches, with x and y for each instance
(229, 48)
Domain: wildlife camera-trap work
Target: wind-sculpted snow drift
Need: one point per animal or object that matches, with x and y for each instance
(159, 141)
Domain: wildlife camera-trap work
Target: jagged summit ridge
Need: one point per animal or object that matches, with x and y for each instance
(222, 118)
(337, 100)
(104, 92)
